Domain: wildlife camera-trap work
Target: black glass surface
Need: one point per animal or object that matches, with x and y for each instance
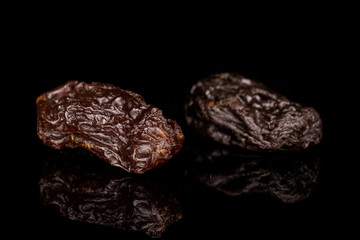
(206, 190)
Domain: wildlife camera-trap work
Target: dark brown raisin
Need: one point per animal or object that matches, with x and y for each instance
(234, 110)
(117, 125)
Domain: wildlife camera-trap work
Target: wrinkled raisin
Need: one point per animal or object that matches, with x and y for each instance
(117, 125)
(234, 110)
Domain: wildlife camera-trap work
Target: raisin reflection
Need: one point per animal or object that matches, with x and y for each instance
(289, 177)
(94, 193)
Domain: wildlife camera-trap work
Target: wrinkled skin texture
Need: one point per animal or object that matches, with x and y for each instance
(290, 177)
(86, 191)
(233, 110)
(117, 125)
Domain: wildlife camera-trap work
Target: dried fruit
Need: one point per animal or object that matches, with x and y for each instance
(117, 125)
(234, 110)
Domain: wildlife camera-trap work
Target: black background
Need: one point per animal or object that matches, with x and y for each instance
(301, 62)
